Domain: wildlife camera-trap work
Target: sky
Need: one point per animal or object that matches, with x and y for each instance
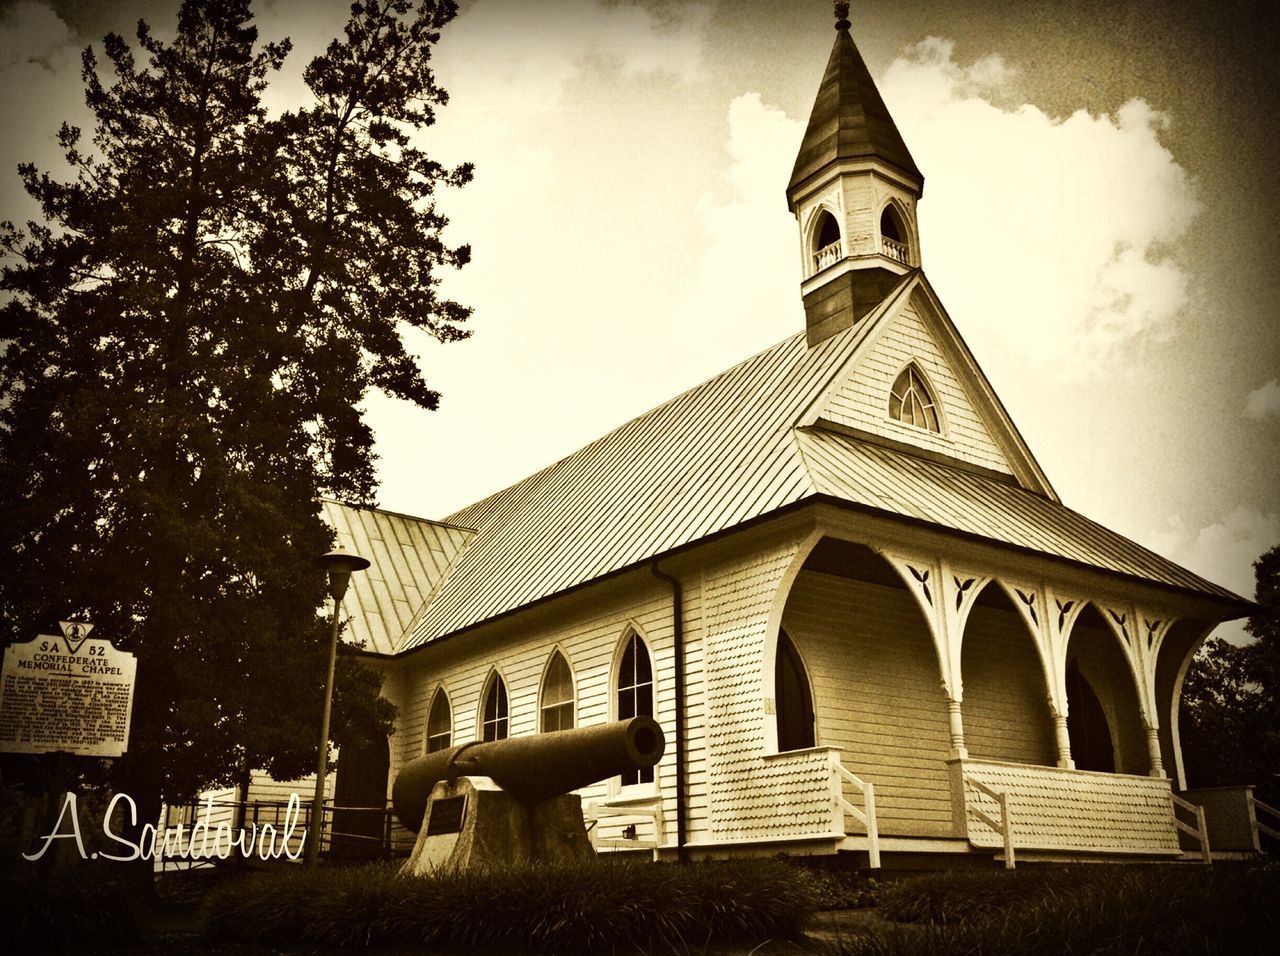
(1099, 218)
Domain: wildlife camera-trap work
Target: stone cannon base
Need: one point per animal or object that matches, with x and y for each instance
(472, 822)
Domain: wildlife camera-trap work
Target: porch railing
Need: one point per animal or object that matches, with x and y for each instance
(1200, 832)
(1002, 825)
(866, 815)
(1056, 810)
(630, 840)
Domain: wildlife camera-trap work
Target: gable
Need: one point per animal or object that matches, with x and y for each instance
(913, 335)
(862, 400)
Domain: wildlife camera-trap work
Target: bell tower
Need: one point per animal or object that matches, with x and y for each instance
(853, 191)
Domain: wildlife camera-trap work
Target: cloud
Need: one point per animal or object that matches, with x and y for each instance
(31, 34)
(742, 290)
(517, 56)
(1264, 401)
(39, 80)
(1223, 552)
(545, 101)
(1071, 226)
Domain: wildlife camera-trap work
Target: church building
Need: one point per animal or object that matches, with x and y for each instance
(834, 573)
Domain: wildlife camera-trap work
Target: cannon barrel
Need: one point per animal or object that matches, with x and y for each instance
(533, 768)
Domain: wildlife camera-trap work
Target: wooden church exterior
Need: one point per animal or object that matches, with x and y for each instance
(835, 564)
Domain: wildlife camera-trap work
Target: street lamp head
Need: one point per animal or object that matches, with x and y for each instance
(339, 565)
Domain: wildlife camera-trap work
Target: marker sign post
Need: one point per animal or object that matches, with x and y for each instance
(71, 693)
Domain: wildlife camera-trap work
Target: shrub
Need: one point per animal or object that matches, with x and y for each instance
(837, 889)
(599, 905)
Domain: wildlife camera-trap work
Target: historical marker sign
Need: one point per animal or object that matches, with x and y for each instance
(72, 693)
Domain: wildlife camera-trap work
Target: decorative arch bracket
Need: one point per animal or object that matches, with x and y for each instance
(962, 589)
(924, 577)
(1033, 604)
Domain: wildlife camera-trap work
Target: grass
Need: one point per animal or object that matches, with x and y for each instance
(1081, 909)
(599, 907)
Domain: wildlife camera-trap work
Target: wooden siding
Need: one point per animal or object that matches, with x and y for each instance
(877, 695)
(753, 796)
(1073, 810)
(410, 557)
(862, 402)
(589, 638)
(901, 484)
(1006, 713)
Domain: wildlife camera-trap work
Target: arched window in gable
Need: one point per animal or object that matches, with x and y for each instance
(911, 402)
(792, 697)
(495, 719)
(635, 694)
(439, 723)
(556, 708)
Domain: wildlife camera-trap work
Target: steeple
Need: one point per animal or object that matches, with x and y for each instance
(853, 191)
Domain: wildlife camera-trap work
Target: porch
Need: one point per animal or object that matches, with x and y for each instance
(1011, 810)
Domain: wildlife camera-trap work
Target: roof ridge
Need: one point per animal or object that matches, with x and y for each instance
(398, 514)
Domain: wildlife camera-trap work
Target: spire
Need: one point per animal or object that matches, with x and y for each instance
(853, 192)
(849, 119)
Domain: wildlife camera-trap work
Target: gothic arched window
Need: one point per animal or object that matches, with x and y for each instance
(893, 235)
(557, 695)
(827, 247)
(635, 694)
(439, 723)
(910, 401)
(494, 720)
(792, 698)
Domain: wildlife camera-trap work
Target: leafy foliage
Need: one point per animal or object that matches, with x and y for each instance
(1230, 713)
(186, 337)
(593, 907)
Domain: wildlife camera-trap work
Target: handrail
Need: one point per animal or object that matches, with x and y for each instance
(865, 816)
(1199, 832)
(593, 812)
(257, 813)
(1258, 824)
(1004, 825)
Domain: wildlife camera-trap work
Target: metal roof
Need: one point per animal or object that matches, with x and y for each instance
(410, 557)
(849, 119)
(901, 484)
(724, 453)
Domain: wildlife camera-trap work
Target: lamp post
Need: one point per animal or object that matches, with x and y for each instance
(339, 565)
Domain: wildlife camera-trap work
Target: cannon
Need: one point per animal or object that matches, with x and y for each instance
(501, 800)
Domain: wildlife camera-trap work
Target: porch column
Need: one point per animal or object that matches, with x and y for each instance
(1062, 738)
(956, 722)
(1153, 750)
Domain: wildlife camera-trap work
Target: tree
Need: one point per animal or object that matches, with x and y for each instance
(1230, 713)
(187, 336)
